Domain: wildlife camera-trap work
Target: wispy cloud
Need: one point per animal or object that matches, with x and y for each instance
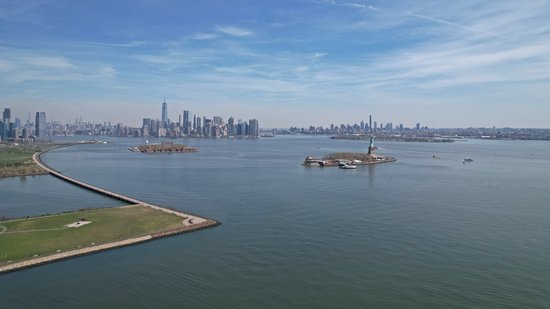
(319, 55)
(129, 44)
(204, 36)
(356, 5)
(20, 10)
(60, 63)
(20, 66)
(449, 23)
(235, 31)
(391, 52)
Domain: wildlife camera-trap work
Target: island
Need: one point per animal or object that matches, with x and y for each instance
(164, 147)
(349, 160)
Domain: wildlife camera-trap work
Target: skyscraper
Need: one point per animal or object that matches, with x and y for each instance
(7, 115)
(253, 127)
(198, 128)
(217, 120)
(370, 123)
(40, 125)
(6, 123)
(186, 123)
(164, 114)
(231, 126)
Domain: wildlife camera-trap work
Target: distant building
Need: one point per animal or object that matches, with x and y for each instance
(253, 127)
(198, 128)
(6, 119)
(242, 128)
(186, 123)
(164, 114)
(161, 132)
(7, 115)
(231, 126)
(40, 125)
(217, 120)
(370, 123)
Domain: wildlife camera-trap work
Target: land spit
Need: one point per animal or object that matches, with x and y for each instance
(190, 222)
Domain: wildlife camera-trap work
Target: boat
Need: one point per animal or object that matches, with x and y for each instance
(310, 161)
(348, 167)
(468, 160)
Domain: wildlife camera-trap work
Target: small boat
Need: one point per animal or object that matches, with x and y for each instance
(348, 167)
(468, 160)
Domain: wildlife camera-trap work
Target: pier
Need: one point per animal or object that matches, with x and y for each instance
(190, 223)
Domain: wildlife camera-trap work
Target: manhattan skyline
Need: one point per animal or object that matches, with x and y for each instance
(287, 63)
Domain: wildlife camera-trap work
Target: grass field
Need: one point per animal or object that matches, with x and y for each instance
(17, 159)
(25, 238)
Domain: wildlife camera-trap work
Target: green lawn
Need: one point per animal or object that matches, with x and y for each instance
(109, 224)
(17, 159)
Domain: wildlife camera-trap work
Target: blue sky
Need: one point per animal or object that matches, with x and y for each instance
(440, 63)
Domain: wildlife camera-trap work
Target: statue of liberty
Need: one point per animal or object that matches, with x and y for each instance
(371, 145)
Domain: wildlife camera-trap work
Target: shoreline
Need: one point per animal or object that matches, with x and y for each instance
(24, 174)
(57, 257)
(191, 223)
(48, 147)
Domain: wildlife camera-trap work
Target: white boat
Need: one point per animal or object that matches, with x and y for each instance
(348, 167)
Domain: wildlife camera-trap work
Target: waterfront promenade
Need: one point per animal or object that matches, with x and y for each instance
(190, 223)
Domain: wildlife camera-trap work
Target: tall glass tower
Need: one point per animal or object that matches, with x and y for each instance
(164, 114)
(186, 123)
(6, 123)
(40, 129)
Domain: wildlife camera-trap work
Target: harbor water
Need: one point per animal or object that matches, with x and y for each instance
(422, 231)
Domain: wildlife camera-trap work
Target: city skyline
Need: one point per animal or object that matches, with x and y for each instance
(183, 126)
(472, 63)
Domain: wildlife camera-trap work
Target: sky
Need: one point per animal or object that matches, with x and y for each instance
(467, 63)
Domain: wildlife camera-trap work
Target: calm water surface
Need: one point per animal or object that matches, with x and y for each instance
(419, 232)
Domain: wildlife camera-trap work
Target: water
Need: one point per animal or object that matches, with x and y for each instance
(419, 232)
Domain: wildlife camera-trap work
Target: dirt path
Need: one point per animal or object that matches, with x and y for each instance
(3, 229)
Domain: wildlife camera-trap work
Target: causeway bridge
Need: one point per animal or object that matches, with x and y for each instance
(124, 198)
(190, 223)
(192, 220)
